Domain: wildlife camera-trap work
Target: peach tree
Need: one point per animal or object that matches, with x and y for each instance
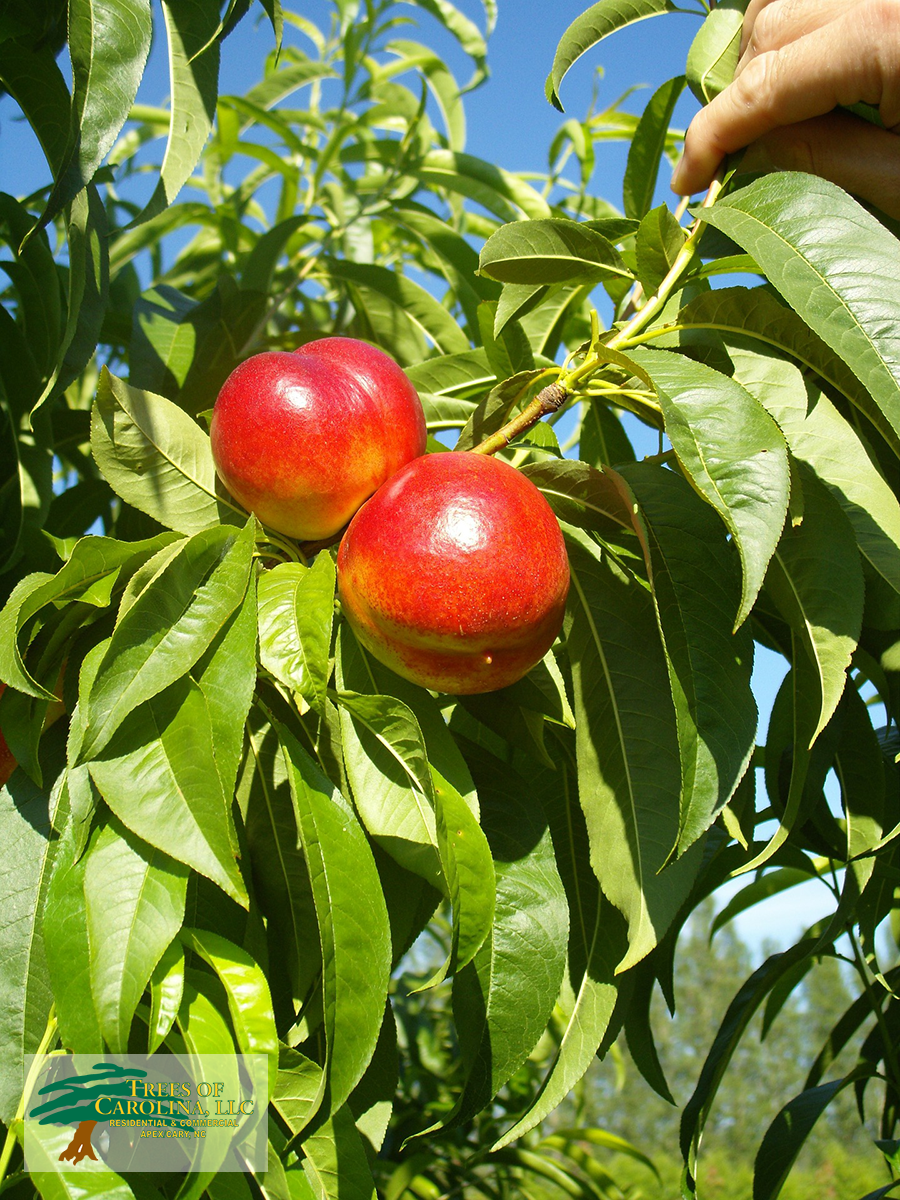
(230, 828)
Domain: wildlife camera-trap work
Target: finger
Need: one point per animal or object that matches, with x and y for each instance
(857, 156)
(751, 13)
(779, 22)
(804, 79)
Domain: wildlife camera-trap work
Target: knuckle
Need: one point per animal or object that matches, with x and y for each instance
(882, 17)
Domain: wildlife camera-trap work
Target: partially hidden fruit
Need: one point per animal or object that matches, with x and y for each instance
(302, 438)
(7, 763)
(455, 573)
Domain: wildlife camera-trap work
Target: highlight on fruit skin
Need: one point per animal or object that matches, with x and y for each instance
(303, 438)
(455, 573)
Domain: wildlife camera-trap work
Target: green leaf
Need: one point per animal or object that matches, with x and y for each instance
(134, 904)
(734, 1024)
(713, 55)
(406, 300)
(249, 1000)
(581, 495)
(193, 86)
(510, 352)
(647, 148)
(423, 800)
(592, 26)
(465, 31)
(25, 992)
(166, 994)
(167, 629)
(496, 408)
(297, 1087)
(353, 923)
(92, 569)
(33, 78)
(503, 999)
(500, 192)
(281, 880)
(786, 1135)
(756, 314)
(68, 951)
(658, 243)
(157, 459)
(829, 445)
(109, 41)
(226, 675)
(296, 610)
(158, 775)
(550, 251)
(695, 579)
(92, 1179)
(88, 290)
(810, 557)
(732, 452)
(628, 762)
(602, 438)
(336, 1162)
(597, 943)
(834, 264)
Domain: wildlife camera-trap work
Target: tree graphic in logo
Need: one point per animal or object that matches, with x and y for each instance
(119, 1089)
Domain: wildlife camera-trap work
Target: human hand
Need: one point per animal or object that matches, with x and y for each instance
(799, 60)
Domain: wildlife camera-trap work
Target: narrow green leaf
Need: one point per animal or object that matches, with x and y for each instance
(336, 1162)
(226, 675)
(353, 923)
(597, 943)
(426, 797)
(501, 192)
(647, 148)
(296, 610)
(465, 31)
(88, 291)
(829, 445)
(581, 495)
(596, 23)
(134, 905)
(658, 243)
(157, 459)
(166, 994)
(733, 453)
(64, 921)
(503, 999)
(695, 579)
(833, 263)
(628, 763)
(713, 55)
(407, 300)
(249, 1000)
(33, 78)
(109, 41)
(756, 314)
(25, 992)
(734, 1024)
(785, 1137)
(550, 251)
(158, 775)
(827, 621)
(169, 626)
(281, 880)
(193, 85)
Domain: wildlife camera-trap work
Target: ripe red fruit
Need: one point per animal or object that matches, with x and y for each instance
(455, 573)
(302, 439)
(7, 763)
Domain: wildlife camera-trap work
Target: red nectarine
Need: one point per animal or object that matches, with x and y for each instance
(302, 439)
(455, 573)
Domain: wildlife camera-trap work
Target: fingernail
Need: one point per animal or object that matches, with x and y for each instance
(678, 175)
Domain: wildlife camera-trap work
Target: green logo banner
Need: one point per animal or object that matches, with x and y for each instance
(158, 1113)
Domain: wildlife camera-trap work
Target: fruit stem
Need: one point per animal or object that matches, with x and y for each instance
(548, 400)
(554, 395)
